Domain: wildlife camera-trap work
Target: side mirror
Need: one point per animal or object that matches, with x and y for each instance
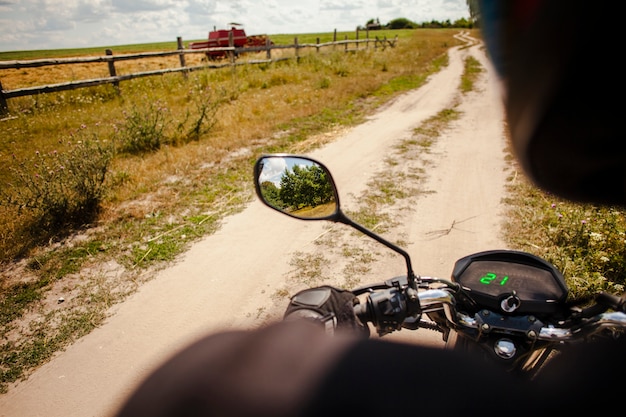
(297, 186)
(303, 188)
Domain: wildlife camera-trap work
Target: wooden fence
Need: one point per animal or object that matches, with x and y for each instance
(231, 53)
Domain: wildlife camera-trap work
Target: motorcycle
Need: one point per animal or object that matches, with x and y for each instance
(510, 306)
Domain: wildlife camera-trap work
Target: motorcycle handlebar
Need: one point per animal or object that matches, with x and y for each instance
(387, 310)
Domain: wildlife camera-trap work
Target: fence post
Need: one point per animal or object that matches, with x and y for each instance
(181, 56)
(112, 71)
(345, 46)
(317, 45)
(231, 53)
(231, 44)
(295, 42)
(334, 39)
(356, 44)
(4, 107)
(268, 51)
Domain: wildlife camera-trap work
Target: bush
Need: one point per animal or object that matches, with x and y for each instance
(199, 117)
(143, 129)
(61, 188)
(588, 243)
(146, 128)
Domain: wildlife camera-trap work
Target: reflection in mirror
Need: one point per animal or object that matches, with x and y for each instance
(296, 186)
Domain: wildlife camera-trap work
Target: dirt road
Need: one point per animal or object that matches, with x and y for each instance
(231, 279)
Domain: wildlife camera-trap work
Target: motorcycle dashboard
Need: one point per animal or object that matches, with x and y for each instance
(492, 276)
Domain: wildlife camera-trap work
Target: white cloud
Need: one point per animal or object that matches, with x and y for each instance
(54, 24)
(91, 11)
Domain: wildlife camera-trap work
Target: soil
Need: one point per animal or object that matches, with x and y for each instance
(241, 276)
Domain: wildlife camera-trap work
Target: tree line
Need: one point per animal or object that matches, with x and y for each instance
(404, 23)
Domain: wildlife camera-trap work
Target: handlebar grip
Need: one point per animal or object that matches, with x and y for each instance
(362, 312)
(385, 309)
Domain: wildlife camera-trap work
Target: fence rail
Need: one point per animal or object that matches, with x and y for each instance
(231, 53)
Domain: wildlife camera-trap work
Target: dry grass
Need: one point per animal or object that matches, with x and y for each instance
(13, 79)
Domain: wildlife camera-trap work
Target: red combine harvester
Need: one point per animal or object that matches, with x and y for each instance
(220, 38)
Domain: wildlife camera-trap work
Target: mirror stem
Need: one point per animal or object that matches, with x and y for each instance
(412, 281)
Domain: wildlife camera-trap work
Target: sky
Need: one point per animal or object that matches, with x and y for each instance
(59, 24)
(274, 168)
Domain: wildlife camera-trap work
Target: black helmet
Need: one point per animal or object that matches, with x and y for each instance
(563, 85)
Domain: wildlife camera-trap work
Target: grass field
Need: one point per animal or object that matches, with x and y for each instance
(177, 153)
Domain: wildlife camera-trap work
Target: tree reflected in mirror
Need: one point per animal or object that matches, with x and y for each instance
(296, 186)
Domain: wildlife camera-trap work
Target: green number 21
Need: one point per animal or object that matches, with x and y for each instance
(489, 277)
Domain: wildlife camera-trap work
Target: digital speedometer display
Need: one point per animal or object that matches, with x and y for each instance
(496, 278)
(491, 276)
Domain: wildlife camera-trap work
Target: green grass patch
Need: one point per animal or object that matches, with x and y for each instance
(470, 74)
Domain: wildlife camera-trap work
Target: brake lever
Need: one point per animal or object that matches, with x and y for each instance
(603, 302)
(612, 301)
